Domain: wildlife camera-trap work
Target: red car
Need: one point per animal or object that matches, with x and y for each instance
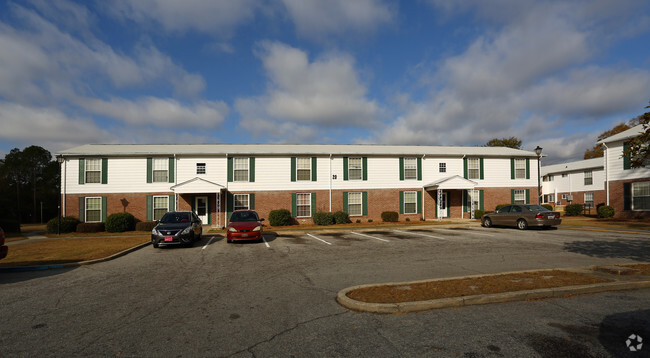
(3, 247)
(244, 225)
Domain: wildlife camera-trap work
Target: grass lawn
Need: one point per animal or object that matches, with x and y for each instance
(61, 251)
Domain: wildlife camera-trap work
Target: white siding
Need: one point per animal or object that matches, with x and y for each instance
(615, 165)
(215, 169)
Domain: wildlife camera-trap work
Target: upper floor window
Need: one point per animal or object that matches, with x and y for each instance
(589, 177)
(240, 169)
(355, 168)
(410, 168)
(160, 170)
(200, 168)
(520, 168)
(473, 168)
(93, 170)
(442, 167)
(303, 168)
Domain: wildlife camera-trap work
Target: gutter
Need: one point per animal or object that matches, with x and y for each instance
(330, 182)
(606, 173)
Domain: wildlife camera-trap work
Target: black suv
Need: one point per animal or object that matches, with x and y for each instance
(177, 228)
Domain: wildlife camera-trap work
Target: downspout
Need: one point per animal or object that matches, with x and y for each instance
(225, 207)
(330, 182)
(423, 192)
(65, 184)
(462, 212)
(606, 174)
(176, 181)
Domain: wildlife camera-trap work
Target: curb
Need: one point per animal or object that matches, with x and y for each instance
(73, 264)
(403, 307)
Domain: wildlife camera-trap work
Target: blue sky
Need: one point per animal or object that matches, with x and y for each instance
(427, 72)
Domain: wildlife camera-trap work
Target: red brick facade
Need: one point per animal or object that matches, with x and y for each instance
(616, 200)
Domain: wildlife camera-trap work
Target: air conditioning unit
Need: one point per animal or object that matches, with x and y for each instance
(569, 198)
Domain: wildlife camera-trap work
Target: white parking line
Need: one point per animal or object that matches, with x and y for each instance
(206, 245)
(417, 233)
(265, 243)
(372, 237)
(460, 231)
(329, 243)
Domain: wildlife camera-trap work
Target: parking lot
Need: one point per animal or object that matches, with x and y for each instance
(277, 297)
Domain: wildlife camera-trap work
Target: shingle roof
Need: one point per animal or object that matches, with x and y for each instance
(593, 163)
(279, 149)
(630, 133)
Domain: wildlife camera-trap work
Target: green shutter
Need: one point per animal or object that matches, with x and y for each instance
(345, 202)
(401, 202)
(294, 205)
(82, 171)
(627, 164)
(313, 204)
(149, 207)
(251, 170)
(314, 175)
(512, 196)
(465, 168)
(527, 168)
(230, 169)
(481, 168)
(82, 209)
(419, 202)
(251, 201)
(627, 196)
(419, 169)
(149, 171)
(172, 176)
(104, 208)
(527, 196)
(480, 198)
(401, 172)
(345, 168)
(512, 168)
(104, 170)
(365, 168)
(171, 204)
(364, 202)
(293, 168)
(230, 198)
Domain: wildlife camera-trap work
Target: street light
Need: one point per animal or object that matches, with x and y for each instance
(60, 160)
(538, 151)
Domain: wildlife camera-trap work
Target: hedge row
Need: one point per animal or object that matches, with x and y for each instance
(119, 222)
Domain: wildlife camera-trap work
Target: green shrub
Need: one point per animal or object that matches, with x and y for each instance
(573, 209)
(10, 225)
(145, 225)
(605, 211)
(478, 213)
(390, 216)
(120, 222)
(358, 221)
(369, 220)
(548, 206)
(500, 206)
(91, 227)
(68, 224)
(323, 218)
(408, 219)
(280, 217)
(341, 217)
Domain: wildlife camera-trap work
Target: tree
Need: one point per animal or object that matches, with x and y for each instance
(598, 150)
(511, 142)
(639, 147)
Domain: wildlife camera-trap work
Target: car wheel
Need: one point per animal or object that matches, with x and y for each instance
(522, 224)
(155, 244)
(487, 222)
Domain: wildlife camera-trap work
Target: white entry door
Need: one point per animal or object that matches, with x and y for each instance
(201, 208)
(443, 206)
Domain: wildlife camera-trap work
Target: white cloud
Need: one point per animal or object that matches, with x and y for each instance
(159, 112)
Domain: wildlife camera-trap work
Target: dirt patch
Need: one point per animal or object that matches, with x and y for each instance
(644, 269)
(471, 286)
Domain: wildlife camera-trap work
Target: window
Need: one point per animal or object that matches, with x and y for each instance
(200, 168)
(410, 168)
(355, 204)
(240, 169)
(93, 210)
(160, 206)
(303, 168)
(355, 168)
(93, 170)
(160, 170)
(520, 168)
(589, 177)
(520, 196)
(442, 167)
(473, 196)
(473, 168)
(641, 196)
(303, 204)
(589, 200)
(410, 202)
(241, 201)
(549, 198)
(565, 196)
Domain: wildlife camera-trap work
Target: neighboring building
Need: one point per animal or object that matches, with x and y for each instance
(627, 188)
(426, 182)
(580, 182)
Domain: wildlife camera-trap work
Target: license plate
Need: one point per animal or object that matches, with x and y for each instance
(169, 238)
(244, 235)
(551, 216)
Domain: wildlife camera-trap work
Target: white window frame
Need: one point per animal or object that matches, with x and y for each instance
(411, 195)
(86, 209)
(154, 207)
(589, 204)
(355, 168)
(565, 196)
(241, 207)
(160, 165)
(303, 165)
(355, 203)
(638, 187)
(410, 166)
(520, 196)
(520, 168)
(93, 166)
(240, 165)
(303, 203)
(589, 177)
(201, 168)
(473, 168)
(442, 168)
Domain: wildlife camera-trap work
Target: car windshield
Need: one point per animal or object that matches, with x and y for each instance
(175, 218)
(243, 216)
(536, 208)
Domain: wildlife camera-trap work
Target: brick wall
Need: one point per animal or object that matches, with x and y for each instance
(616, 200)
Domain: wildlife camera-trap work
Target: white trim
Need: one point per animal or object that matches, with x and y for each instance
(297, 206)
(153, 205)
(415, 207)
(86, 209)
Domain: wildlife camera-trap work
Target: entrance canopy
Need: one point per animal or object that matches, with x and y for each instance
(197, 185)
(453, 182)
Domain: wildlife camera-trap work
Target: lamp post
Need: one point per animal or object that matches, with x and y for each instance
(538, 151)
(60, 160)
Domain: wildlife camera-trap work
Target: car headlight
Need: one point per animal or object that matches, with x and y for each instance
(187, 230)
(155, 232)
(232, 229)
(258, 228)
